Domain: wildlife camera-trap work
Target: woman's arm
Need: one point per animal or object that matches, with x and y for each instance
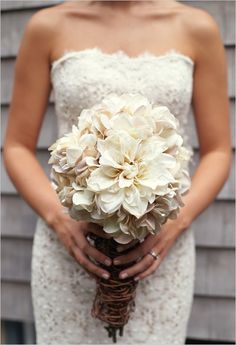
(29, 101)
(212, 119)
(211, 111)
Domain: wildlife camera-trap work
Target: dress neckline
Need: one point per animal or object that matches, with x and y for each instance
(121, 53)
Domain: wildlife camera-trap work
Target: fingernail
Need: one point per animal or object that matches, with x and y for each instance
(107, 262)
(116, 262)
(124, 275)
(136, 278)
(105, 275)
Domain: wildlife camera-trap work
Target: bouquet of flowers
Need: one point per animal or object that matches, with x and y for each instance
(123, 166)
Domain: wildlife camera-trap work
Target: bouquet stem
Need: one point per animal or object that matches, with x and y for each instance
(115, 298)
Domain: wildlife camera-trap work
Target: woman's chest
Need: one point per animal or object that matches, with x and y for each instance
(81, 79)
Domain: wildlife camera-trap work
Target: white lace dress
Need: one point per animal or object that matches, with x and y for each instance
(62, 291)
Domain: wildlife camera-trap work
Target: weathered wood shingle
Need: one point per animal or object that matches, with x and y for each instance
(212, 315)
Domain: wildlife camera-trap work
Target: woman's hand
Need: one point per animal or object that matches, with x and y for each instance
(73, 234)
(146, 265)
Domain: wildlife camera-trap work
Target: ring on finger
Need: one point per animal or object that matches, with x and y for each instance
(153, 254)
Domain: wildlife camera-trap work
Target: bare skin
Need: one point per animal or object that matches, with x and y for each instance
(132, 26)
(125, 25)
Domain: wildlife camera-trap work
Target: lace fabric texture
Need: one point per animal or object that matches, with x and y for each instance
(62, 291)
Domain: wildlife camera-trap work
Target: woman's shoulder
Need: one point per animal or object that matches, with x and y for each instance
(46, 23)
(69, 8)
(199, 23)
(50, 20)
(202, 31)
(43, 23)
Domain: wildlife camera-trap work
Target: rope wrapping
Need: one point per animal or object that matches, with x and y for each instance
(115, 298)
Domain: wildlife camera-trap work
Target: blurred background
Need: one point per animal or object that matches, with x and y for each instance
(212, 318)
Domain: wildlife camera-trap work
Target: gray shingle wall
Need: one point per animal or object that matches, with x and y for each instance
(213, 309)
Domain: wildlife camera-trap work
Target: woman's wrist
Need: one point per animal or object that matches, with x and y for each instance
(182, 223)
(53, 218)
(177, 225)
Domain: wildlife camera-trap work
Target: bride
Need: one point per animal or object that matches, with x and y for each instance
(81, 50)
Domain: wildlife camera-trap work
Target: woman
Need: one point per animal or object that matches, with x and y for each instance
(173, 54)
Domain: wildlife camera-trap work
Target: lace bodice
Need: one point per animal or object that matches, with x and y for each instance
(82, 78)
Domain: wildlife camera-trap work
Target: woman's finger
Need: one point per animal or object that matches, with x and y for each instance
(151, 269)
(91, 274)
(138, 252)
(123, 247)
(88, 265)
(97, 230)
(87, 249)
(137, 268)
(98, 256)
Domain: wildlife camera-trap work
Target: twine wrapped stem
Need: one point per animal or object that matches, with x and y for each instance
(115, 297)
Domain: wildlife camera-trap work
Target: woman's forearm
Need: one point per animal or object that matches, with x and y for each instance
(32, 183)
(207, 180)
(34, 186)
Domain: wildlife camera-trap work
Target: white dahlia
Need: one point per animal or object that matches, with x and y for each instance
(123, 166)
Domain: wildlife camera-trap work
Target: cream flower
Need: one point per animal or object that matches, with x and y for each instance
(124, 166)
(131, 173)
